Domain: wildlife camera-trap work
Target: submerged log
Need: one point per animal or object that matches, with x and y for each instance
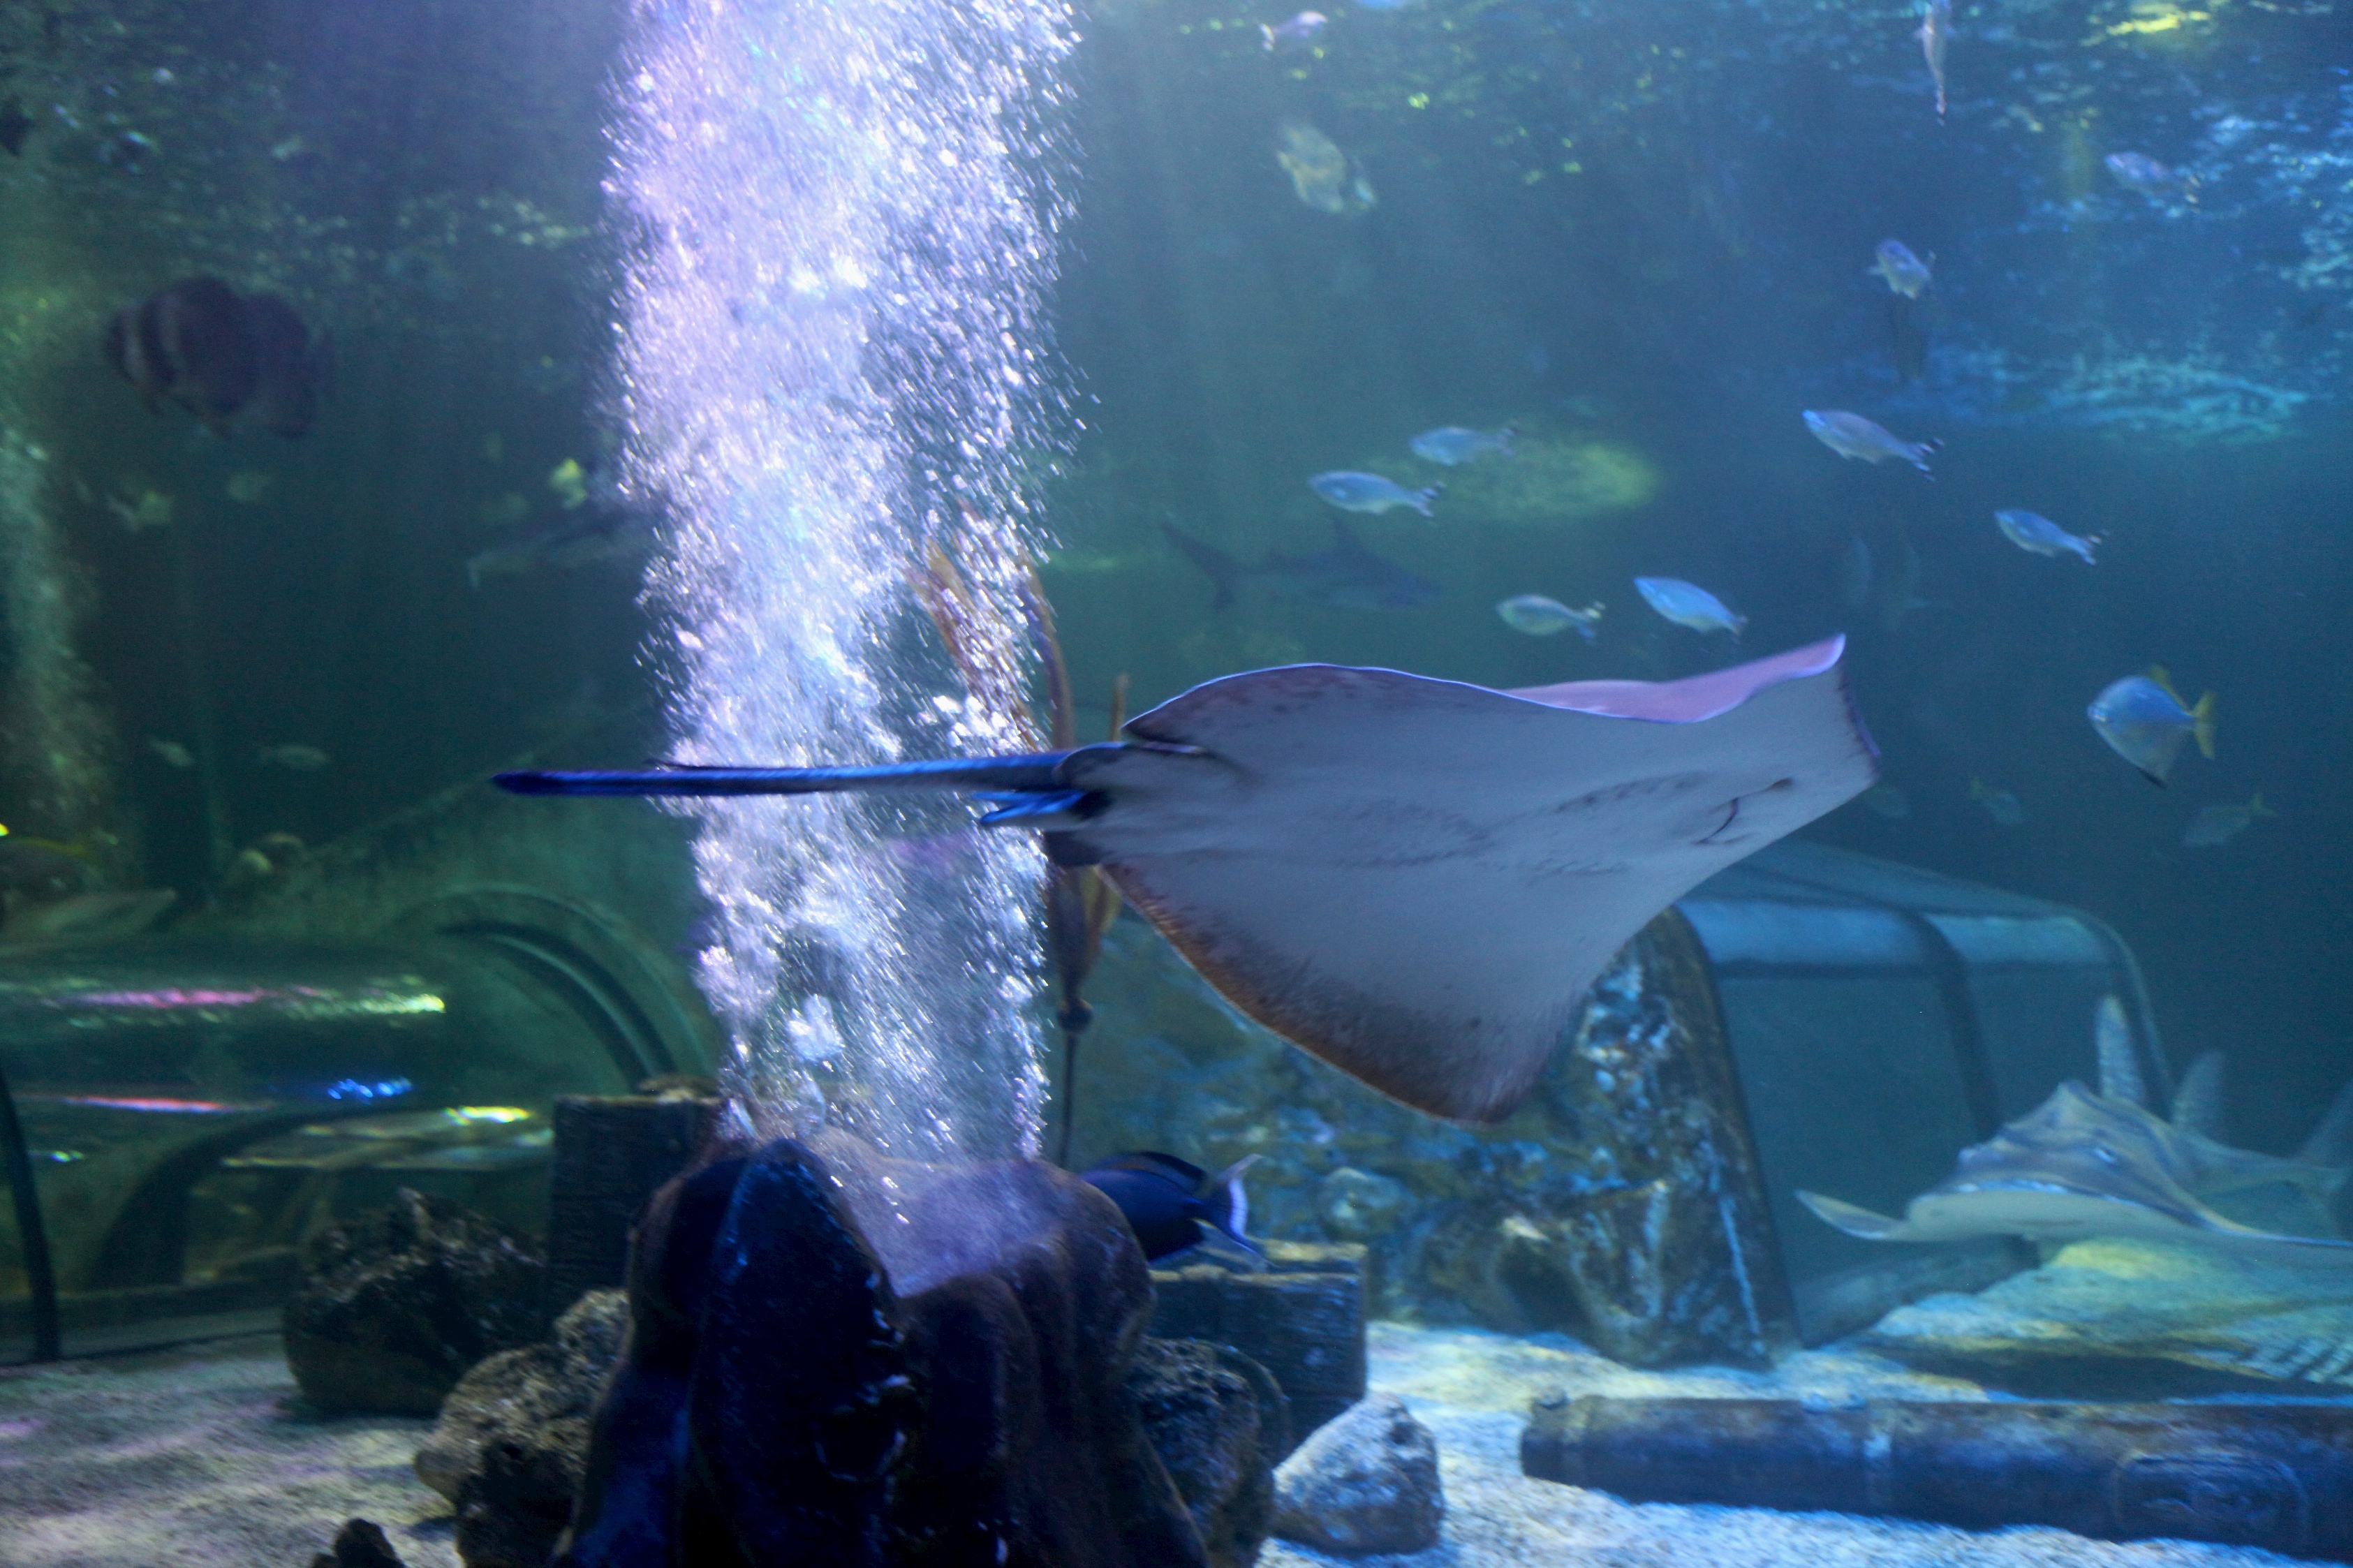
(2274, 1475)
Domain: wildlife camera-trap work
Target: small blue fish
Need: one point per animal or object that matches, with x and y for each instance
(1852, 435)
(1167, 1200)
(1369, 492)
(1905, 273)
(1542, 617)
(1451, 444)
(1688, 606)
(2145, 722)
(2038, 535)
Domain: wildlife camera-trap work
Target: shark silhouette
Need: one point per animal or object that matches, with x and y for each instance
(2083, 1164)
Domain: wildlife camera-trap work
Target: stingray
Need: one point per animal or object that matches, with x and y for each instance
(1414, 880)
(2083, 1164)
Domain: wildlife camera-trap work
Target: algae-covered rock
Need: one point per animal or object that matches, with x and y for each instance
(359, 1544)
(1218, 1422)
(1588, 1210)
(398, 1304)
(1364, 1483)
(1357, 1206)
(512, 1440)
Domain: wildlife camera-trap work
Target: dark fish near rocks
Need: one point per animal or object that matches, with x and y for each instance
(219, 354)
(1347, 576)
(1167, 1200)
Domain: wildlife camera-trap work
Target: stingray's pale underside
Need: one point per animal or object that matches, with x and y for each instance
(1414, 880)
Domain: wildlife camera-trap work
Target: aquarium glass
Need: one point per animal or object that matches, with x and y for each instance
(396, 393)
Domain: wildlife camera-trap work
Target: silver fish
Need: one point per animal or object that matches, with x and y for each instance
(1299, 32)
(1688, 604)
(1542, 617)
(2037, 535)
(1852, 435)
(1936, 35)
(1451, 444)
(2138, 171)
(1321, 175)
(1352, 491)
(2145, 722)
(293, 755)
(1905, 273)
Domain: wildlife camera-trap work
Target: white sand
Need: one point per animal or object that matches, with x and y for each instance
(204, 1459)
(198, 1460)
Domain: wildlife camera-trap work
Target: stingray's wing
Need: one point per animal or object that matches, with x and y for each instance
(1417, 879)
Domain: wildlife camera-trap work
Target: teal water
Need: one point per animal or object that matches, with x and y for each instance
(1636, 234)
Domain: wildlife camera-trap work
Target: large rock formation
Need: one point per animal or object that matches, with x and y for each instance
(398, 1304)
(512, 1446)
(779, 1403)
(1590, 1209)
(1218, 1422)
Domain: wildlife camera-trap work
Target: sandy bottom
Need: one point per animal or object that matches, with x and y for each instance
(202, 1459)
(1472, 1390)
(207, 1460)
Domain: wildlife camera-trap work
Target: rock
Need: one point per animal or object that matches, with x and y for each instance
(359, 1544)
(512, 1440)
(1357, 1206)
(763, 1396)
(398, 1304)
(1033, 1453)
(1366, 1482)
(1544, 1220)
(515, 1504)
(779, 1402)
(1218, 1422)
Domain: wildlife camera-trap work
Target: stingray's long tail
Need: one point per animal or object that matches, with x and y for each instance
(1030, 774)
